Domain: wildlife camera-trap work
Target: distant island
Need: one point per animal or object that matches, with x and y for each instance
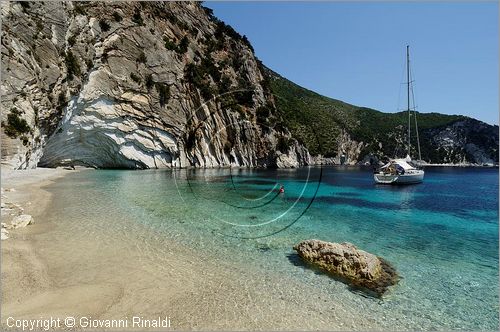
(167, 84)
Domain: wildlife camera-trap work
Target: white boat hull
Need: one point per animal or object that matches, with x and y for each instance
(416, 176)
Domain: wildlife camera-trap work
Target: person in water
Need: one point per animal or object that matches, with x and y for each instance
(282, 189)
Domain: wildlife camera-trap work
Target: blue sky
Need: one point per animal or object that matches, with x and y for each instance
(355, 51)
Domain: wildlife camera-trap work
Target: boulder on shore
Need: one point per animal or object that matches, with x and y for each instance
(343, 260)
(5, 234)
(22, 221)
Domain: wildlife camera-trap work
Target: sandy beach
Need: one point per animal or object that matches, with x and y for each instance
(25, 282)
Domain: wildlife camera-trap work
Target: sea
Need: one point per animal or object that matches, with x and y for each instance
(440, 235)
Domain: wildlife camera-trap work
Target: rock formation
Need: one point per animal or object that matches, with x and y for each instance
(167, 84)
(134, 85)
(467, 140)
(357, 267)
(22, 221)
(5, 233)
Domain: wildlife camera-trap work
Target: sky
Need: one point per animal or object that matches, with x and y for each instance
(356, 51)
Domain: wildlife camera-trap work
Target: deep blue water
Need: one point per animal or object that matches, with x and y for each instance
(441, 235)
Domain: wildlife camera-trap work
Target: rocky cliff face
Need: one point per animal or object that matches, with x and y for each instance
(134, 85)
(463, 141)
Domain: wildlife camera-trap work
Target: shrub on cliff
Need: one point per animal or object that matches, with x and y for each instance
(198, 76)
(263, 113)
(183, 45)
(104, 25)
(169, 45)
(117, 17)
(137, 17)
(15, 125)
(284, 144)
(135, 78)
(72, 65)
(163, 93)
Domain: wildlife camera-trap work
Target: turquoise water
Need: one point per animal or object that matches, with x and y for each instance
(441, 235)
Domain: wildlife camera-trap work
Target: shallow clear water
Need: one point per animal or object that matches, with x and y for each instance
(441, 235)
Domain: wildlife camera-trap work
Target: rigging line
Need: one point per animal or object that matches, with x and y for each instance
(408, 96)
(415, 116)
(412, 87)
(401, 83)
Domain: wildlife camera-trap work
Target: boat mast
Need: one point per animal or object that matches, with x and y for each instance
(408, 93)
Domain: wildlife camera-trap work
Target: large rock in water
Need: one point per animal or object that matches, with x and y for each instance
(357, 267)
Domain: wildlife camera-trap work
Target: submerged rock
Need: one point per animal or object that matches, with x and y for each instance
(343, 260)
(22, 221)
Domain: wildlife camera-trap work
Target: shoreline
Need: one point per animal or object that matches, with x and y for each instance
(23, 273)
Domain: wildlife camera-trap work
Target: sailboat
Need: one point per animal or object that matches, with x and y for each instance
(403, 171)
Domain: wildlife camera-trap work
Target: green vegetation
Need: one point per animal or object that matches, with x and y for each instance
(104, 25)
(183, 45)
(24, 4)
(89, 64)
(181, 48)
(135, 78)
(117, 17)
(284, 144)
(163, 93)
(224, 29)
(72, 65)
(169, 45)
(61, 101)
(225, 84)
(79, 7)
(15, 125)
(244, 94)
(149, 82)
(142, 58)
(137, 18)
(317, 121)
(39, 25)
(72, 40)
(263, 113)
(199, 76)
(36, 112)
